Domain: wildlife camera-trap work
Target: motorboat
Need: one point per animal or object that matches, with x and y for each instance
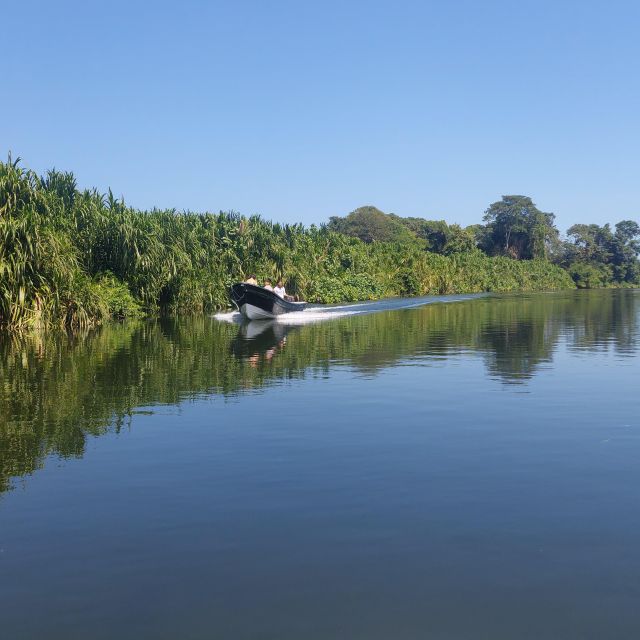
(258, 303)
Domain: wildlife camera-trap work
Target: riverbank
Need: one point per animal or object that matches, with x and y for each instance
(74, 259)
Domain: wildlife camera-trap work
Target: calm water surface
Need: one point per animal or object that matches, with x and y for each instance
(463, 469)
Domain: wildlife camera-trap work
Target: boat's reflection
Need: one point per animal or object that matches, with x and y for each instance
(259, 340)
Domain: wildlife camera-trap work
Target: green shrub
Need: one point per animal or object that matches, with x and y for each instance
(117, 298)
(349, 288)
(590, 276)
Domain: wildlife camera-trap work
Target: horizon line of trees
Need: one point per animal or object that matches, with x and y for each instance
(73, 258)
(594, 255)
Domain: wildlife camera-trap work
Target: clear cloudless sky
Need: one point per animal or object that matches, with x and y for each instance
(302, 110)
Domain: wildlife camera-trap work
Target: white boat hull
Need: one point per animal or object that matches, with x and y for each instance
(255, 313)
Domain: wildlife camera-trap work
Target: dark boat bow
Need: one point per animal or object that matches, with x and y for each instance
(257, 303)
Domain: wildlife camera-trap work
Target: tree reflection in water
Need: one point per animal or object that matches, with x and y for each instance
(57, 390)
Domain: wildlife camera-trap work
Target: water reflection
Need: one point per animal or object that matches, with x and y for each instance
(58, 390)
(259, 340)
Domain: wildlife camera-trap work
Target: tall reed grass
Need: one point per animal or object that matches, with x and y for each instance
(74, 258)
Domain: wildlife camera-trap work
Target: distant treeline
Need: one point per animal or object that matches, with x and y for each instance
(594, 256)
(74, 258)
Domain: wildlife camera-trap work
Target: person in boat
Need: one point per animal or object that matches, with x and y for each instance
(251, 280)
(281, 291)
(267, 285)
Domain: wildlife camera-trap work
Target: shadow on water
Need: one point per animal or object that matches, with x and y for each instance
(57, 390)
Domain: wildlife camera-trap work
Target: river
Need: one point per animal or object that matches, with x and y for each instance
(462, 467)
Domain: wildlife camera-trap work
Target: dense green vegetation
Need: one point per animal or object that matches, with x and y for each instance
(49, 408)
(372, 225)
(597, 256)
(73, 258)
(514, 227)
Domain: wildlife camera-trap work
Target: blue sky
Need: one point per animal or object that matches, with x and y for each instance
(299, 110)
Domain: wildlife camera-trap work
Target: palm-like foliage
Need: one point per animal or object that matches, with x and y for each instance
(73, 258)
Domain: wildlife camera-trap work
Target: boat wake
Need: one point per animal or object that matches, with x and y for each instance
(321, 313)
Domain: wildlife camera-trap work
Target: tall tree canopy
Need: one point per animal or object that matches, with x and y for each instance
(613, 253)
(517, 228)
(440, 236)
(370, 224)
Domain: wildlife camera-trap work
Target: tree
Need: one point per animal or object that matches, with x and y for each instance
(517, 228)
(625, 250)
(590, 243)
(460, 240)
(613, 255)
(439, 236)
(370, 224)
